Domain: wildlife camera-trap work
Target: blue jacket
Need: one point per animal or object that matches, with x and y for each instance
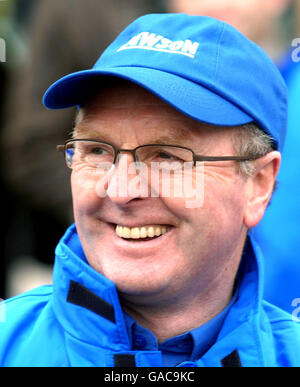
(79, 322)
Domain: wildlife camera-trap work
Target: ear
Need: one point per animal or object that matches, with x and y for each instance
(260, 186)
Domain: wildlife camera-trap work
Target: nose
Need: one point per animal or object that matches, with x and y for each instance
(119, 154)
(125, 183)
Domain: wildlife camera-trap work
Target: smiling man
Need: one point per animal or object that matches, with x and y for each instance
(166, 274)
(144, 278)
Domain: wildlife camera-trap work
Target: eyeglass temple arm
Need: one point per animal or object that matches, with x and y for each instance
(224, 158)
(60, 148)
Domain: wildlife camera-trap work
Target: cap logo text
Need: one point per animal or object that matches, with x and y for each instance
(151, 41)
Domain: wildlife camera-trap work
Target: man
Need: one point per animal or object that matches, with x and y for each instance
(149, 276)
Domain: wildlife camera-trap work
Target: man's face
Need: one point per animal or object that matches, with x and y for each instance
(202, 247)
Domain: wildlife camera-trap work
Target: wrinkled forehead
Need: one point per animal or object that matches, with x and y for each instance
(119, 96)
(119, 93)
(121, 102)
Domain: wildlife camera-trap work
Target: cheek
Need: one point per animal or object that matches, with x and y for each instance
(225, 206)
(215, 194)
(84, 193)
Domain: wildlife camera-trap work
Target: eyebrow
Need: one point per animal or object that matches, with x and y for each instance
(80, 131)
(172, 140)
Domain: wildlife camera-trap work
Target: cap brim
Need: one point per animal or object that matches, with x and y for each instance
(184, 95)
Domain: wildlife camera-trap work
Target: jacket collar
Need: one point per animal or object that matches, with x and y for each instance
(75, 283)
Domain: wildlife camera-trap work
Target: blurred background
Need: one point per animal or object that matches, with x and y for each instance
(44, 40)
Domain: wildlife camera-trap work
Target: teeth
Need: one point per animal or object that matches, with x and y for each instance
(141, 232)
(151, 232)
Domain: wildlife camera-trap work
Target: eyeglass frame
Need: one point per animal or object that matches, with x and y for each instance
(196, 158)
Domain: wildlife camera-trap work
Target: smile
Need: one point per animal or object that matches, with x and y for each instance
(149, 231)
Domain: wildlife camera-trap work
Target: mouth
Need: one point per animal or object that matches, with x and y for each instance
(141, 233)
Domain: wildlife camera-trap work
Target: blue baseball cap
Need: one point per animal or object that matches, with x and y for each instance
(201, 66)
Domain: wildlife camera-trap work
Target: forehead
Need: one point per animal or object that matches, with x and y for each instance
(126, 106)
(122, 95)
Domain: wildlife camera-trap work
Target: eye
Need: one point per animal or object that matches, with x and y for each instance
(166, 156)
(98, 151)
(171, 156)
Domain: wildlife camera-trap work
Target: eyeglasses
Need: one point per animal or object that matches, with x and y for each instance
(102, 155)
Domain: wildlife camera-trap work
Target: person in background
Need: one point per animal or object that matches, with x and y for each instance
(14, 18)
(278, 232)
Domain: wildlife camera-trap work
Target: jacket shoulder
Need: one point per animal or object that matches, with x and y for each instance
(286, 335)
(14, 309)
(28, 328)
(44, 290)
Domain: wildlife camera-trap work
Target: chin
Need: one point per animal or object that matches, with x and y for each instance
(136, 281)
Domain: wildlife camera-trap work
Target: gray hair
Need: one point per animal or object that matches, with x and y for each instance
(250, 140)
